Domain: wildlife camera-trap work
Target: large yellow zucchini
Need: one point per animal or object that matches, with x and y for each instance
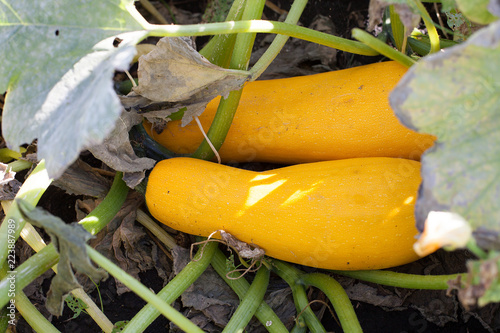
(335, 115)
(347, 214)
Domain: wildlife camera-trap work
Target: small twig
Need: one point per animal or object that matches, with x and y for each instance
(131, 78)
(322, 302)
(440, 20)
(245, 271)
(208, 140)
(205, 242)
(159, 244)
(256, 254)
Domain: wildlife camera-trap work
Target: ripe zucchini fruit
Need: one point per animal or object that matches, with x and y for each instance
(335, 115)
(348, 214)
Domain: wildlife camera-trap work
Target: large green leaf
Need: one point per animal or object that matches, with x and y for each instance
(476, 11)
(456, 96)
(58, 59)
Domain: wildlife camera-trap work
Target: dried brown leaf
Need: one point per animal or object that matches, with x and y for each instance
(117, 152)
(175, 76)
(409, 18)
(81, 179)
(9, 186)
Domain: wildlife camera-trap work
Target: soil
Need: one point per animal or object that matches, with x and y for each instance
(402, 317)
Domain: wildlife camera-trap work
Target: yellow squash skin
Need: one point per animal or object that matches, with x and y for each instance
(347, 214)
(335, 115)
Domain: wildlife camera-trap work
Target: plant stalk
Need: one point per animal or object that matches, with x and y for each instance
(250, 302)
(402, 280)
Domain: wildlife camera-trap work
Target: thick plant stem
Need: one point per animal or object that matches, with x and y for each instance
(240, 286)
(402, 280)
(382, 47)
(47, 256)
(227, 107)
(142, 291)
(279, 41)
(220, 126)
(32, 316)
(220, 48)
(19, 165)
(338, 297)
(174, 288)
(31, 191)
(29, 270)
(19, 301)
(429, 24)
(109, 207)
(7, 155)
(250, 302)
(292, 276)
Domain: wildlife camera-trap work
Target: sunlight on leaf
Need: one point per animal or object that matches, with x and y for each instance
(58, 61)
(455, 96)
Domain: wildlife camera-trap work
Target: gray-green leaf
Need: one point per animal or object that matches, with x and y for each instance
(456, 96)
(58, 59)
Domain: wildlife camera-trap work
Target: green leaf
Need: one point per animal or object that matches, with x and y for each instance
(76, 305)
(58, 59)
(476, 11)
(69, 240)
(455, 96)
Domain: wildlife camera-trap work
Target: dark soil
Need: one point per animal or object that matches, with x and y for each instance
(345, 15)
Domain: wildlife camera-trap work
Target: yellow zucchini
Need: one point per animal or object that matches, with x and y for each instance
(335, 115)
(347, 214)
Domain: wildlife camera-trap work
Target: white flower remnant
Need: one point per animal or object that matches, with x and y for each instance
(443, 230)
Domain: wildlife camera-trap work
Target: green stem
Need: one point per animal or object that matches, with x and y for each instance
(240, 286)
(142, 291)
(227, 107)
(402, 280)
(261, 26)
(4, 312)
(429, 24)
(250, 302)
(381, 47)
(474, 248)
(31, 191)
(292, 276)
(279, 41)
(174, 288)
(220, 126)
(19, 165)
(29, 270)
(32, 316)
(299, 329)
(338, 297)
(7, 154)
(108, 208)
(220, 48)
(47, 257)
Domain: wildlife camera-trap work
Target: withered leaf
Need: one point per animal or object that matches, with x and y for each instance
(175, 76)
(69, 240)
(81, 179)
(8, 184)
(117, 152)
